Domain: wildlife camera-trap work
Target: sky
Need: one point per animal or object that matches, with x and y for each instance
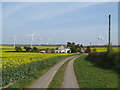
(59, 22)
(0, 23)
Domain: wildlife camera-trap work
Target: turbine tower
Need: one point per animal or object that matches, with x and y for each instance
(32, 35)
(40, 42)
(90, 43)
(47, 41)
(14, 41)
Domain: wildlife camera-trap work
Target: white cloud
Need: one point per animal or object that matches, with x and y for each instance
(9, 11)
(61, 11)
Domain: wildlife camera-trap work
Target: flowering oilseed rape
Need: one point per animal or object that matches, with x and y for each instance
(17, 59)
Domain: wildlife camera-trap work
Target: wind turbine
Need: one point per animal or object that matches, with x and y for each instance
(90, 43)
(32, 35)
(100, 38)
(47, 41)
(14, 41)
(40, 42)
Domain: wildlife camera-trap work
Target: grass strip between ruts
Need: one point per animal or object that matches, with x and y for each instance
(59, 76)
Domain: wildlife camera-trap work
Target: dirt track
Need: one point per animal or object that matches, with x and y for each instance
(70, 80)
(45, 79)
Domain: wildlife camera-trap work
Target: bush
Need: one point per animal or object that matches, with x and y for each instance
(108, 59)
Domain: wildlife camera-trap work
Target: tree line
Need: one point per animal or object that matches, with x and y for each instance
(75, 48)
(78, 48)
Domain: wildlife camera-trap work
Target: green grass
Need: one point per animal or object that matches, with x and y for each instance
(92, 76)
(28, 79)
(58, 78)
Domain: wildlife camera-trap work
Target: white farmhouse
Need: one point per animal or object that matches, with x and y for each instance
(63, 49)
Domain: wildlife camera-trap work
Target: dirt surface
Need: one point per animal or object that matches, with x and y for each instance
(70, 80)
(45, 79)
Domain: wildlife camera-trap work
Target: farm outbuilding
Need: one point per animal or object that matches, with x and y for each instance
(63, 49)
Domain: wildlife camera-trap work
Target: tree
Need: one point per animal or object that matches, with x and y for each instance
(82, 46)
(82, 50)
(18, 49)
(88, 50)
(74, 48)
(28, 49)
(56, 48)
(52, 50)
(35, 49)
(47, 50)
(68, 44)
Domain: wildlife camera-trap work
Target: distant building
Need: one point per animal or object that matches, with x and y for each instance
(63, 49)
(42, 51)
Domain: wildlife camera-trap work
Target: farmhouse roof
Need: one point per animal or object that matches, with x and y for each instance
(63, 47)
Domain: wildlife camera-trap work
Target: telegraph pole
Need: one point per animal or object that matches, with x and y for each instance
(109, 37)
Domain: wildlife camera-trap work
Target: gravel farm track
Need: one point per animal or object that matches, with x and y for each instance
(69, 76)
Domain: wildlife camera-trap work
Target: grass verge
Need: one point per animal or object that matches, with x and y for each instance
(58, 78)
(29, 79)
(93, 76)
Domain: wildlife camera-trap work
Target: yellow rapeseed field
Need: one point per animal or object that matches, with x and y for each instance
(12, 48)
(15, 59)
(16, 65)
(104, 49)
